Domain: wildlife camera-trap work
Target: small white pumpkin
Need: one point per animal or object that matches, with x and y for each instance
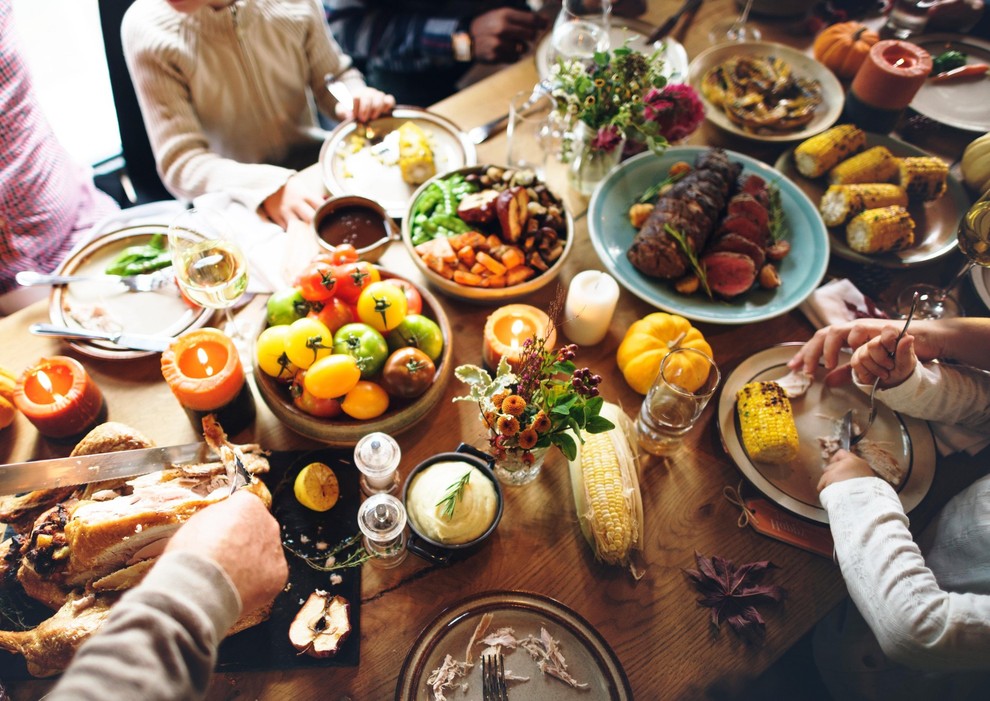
(976, 164)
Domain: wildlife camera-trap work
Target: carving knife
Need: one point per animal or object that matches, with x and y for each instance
(135, 341)
(665, 28)
(65, 472)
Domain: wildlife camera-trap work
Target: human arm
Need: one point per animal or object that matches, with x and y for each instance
(160, 640)
(916, 622)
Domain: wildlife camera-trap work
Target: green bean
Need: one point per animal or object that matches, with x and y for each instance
(452, 223)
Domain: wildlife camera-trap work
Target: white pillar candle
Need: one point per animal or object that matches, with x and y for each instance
(591, 300)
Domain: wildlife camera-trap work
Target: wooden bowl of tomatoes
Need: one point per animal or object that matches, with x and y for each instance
(374, 355)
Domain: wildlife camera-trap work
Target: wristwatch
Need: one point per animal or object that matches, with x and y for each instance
(460, 42)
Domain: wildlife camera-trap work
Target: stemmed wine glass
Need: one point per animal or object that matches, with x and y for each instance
(974, 241)
(209, 265)
(735, 30)
(581, 29)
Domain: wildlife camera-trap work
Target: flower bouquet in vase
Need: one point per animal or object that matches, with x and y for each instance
(545, 403)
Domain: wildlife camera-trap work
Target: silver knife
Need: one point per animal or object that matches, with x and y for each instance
(145, 282)
(133, 341)
(478, 135)
(23, 477)
(665, 28)
(845, 430)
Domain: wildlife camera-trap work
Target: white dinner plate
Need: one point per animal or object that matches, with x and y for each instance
(632, 33)
(372, 171)
(589, 658)
(793, 486)
(802, 66)
(935, 223)
(964, 104)
(97, 306)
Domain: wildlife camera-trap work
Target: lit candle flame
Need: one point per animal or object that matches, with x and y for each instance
(46, 384)
(204, 360)
(516, 329)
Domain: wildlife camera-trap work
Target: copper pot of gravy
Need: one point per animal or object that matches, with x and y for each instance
(358, 221)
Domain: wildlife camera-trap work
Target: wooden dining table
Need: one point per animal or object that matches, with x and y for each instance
(660, 635)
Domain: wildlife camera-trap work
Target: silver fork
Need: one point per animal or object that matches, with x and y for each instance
(873, 392)
(147, 282)
(493, 678)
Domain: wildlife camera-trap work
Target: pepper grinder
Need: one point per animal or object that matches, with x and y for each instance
(382, 520)
(377, 456)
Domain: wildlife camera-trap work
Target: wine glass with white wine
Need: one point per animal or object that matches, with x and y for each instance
(209, 265)
(974, 241)
(580, 29)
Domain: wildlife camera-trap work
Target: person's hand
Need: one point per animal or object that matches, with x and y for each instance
(844, 466)
(294, 200)
(873, 360)
(368, 103)
(502, 35)
(244, 539)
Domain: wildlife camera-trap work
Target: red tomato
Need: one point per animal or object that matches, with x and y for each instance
(344, 253)
(335, 313)
(318, 282)
(414, 300)
(354, 277)
(306, 401)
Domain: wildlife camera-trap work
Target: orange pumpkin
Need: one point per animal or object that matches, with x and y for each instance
(843, 47)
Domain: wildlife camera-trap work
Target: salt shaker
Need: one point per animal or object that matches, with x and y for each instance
(382, 520)
(377, 456)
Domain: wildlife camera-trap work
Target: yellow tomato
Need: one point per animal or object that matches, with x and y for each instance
(269, 351)
(382, 306)
(307, 340)
(650, 339)
(366, 401)
(332, 376)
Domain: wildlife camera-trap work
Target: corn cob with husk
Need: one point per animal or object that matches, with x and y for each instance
(842, 202)
(766, 422)
(875, 165)
(816, 156)
(923, 177)
(880, 230)
(415, 155)
(606, 491)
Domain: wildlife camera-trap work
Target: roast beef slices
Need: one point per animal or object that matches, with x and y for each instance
(730, 274)
(757, 187)
(739, 244)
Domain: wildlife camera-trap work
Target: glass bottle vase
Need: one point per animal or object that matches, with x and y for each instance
(517, 466)
(589, 165)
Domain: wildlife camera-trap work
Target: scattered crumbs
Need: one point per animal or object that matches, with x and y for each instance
(336, 579)
(303, 539)
(322, 545)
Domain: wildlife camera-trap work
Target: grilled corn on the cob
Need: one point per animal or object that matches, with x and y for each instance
(881, 230)
(606, 491)
(415, 155)
(923, 177)
(816, 156)
(874, 165)
(766, 421)
(842, 202)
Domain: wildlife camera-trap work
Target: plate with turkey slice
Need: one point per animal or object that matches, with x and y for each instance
(899, 446)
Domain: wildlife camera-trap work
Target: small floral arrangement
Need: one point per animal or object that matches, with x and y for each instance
(537, 406)
(624, 93)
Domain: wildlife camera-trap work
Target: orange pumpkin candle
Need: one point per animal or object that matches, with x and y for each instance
(205, 374)
(59, 398)
(508, 328)
(885, 84)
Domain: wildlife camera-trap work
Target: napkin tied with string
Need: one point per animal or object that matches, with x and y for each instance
(840, 301)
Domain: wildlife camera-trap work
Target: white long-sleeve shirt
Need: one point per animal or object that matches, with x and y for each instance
(227, 95)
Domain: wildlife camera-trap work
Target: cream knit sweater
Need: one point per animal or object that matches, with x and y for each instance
(228, 95)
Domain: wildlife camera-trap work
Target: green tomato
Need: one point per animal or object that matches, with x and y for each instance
(364, 344)
(420, 332)
(285, 306)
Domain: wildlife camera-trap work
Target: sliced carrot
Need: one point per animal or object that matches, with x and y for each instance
(970, 70)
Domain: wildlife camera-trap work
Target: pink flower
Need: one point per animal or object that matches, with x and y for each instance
(676, 109)
(606, 139)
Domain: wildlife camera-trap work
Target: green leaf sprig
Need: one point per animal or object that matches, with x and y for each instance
(356, 558)
(696, 265)
(651, 192)
(454, 492)
(777, 223)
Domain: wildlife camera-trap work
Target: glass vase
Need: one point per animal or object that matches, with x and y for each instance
(589, 165)
(517, 466)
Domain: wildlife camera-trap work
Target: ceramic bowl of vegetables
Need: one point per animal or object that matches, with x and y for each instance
(487, 234)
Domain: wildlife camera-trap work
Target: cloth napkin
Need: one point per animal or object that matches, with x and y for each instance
(840, 301)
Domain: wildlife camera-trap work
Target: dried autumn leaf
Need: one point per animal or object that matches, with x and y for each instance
(732, 593)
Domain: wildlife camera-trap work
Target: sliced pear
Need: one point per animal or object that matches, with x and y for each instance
(321, 625)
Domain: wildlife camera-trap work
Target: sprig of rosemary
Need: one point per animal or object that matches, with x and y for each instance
(651, 192)
(454, 492)
(354, 559)
(696, 265)
(778, 225)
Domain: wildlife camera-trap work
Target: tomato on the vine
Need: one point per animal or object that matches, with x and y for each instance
(414, 300)
(332, 376)
(366, 400)
(269, 351)
(307, 340)
(335, 313)
(408, 373)
(364, 344)
(303, 399)
(352, 278)
(381, 306)
(318, 282)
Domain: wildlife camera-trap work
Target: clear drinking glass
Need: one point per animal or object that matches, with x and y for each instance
(936, 302)
(908, 18)
(581, 29)
(209, 266)
(737, 29)
(532, 132)
(687, 379)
